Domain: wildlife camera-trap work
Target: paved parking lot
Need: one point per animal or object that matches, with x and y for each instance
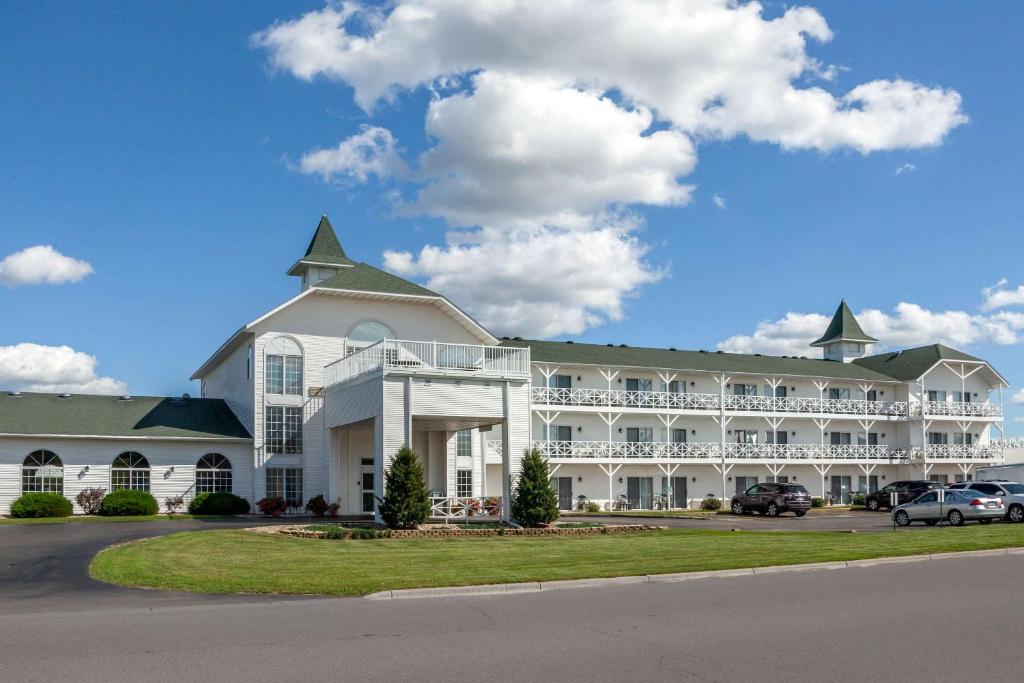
(857, 520)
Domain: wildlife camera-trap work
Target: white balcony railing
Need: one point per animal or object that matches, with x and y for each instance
(398, 354)
(990, 453)
(956, 409)
(664, 400)
(453, 507)
(712, 452)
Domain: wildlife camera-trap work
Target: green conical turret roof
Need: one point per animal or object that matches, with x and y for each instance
(844, 327)
(323, 249)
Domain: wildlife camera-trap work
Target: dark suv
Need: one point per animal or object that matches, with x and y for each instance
(773, 499)
(906, 491)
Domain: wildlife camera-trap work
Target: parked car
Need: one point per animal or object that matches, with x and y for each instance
(906, 491)
(773, 499)
(1010, 492)
(953, 505)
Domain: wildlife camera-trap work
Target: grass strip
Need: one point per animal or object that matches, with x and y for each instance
(234, 561)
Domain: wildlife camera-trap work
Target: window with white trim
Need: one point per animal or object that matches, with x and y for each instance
(464, 443)
(283, 367)
(130, 471)
(367, 333)
(283, 429)
(464, 483)
(213, 474)
(42, 472)
(285, 482)
(639, 434)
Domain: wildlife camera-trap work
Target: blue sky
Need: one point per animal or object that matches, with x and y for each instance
(155, 142)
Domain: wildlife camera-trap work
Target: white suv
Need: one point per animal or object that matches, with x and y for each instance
(1010, 492)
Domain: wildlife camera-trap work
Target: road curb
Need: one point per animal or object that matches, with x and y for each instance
(534, 586)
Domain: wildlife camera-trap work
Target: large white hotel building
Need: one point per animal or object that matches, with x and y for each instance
(317, 395)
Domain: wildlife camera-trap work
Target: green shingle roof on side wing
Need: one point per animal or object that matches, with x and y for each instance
(844, 327)
(910, 364)
(140, 416)
(571, 353)
(365, 278)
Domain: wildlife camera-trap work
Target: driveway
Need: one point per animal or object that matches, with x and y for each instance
(44, 567)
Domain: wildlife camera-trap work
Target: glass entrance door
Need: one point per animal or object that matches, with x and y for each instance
(840, 490)
(640, 492)
(366, 483)
(676, 494)
(563, 486)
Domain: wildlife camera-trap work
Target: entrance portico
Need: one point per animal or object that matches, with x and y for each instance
(423, 394)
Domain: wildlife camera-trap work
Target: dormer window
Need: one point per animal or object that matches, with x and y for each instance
(367, 333)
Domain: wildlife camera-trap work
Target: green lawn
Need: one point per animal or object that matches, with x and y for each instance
(244, 562)
(96, 518)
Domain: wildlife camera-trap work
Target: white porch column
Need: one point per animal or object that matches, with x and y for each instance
(506, 457)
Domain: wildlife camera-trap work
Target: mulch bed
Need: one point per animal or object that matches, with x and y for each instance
(449, 531)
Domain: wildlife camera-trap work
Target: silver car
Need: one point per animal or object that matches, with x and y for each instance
(954, 506)
(1010, 492)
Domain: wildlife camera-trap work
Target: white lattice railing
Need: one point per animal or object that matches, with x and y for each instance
(618, 450)
(454, 507)
(400, 354)
(1012, 442)
(989, 453)
(956, 409)
(666, 400)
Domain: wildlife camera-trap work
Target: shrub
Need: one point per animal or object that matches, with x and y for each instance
(711, 503)
(857, 499)
(124, 502)
(89, 500)
(41, 505)
(817, 502)
(534, 502)
(220, 503)
(317, 506)
(365, 533)
(173, 503)
(274, 506)
(333, 508)
(591, 506)
(405, 504)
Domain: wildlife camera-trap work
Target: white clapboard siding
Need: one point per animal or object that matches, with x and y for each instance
(466, 398)
(230, 381)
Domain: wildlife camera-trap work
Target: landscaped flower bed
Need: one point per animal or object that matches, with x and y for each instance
(338, 531)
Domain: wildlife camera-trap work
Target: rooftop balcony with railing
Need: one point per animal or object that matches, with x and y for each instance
(432, 358)
(669, 401)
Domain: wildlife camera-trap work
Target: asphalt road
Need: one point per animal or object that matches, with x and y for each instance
(932, 621)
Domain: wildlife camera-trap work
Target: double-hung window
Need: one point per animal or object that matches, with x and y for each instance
(560, 382)
(464, 443)
(285, 482)
(283, 429)
(284, 375)
(464, 483)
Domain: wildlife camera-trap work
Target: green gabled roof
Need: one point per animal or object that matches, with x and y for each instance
(141, 416)
(844, 327)
(571, 353)
(910, 364)
(325, 247)
(361, 277)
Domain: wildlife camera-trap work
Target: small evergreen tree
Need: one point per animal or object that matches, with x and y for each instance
(534, 502)
(405, 504)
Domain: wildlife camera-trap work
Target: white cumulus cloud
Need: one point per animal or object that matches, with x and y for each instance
(546, 118)
(907, 325)
(41, 264)
(36, 367)
(1001, 296)
(1018, 397)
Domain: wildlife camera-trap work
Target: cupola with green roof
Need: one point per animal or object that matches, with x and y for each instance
(844, 340)
(324, 257)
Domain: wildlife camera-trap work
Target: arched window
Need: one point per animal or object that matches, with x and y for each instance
(283, 368)
(367, 333)
(213, 474)
(42, 472)
(129, 471)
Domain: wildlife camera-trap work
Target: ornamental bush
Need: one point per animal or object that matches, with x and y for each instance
(41, 505)
(711, 503)
(534, 502)
(89, 500)
(274, 506)
(220, 503)
(317, 506)
(817, 502)
(405, 504)
(125, 502)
